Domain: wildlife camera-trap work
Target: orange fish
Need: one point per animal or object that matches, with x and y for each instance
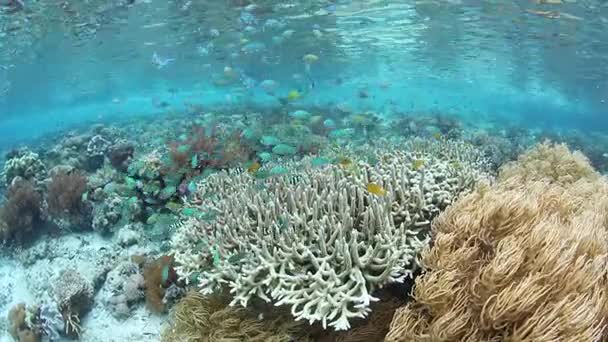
(376, 189)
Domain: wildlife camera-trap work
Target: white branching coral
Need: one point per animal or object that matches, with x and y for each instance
(323, 244)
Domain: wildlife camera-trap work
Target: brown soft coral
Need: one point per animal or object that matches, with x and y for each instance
(199, 318)
(21, 211)
(372, 329)
(159, 274)
(549, 162)
(65, 192)
(18, 326)
(521, 261)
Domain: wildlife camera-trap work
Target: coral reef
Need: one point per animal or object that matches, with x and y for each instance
(303, 214)
(120, 155)
(65, 191)
(106, 214)
(33, 323)
(98, 146)
(159, 274)
(86, 150)
(320, 245)
(204, 149)
(17, 321)
(148, 182)
(66, 201)
(21, 212)
(523, 260)
(25, 164)
(372, 329)
(74, 297)
(551, 162)
(126, 286)
(203, 318)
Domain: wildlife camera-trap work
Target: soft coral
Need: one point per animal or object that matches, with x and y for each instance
(65, 194)
(21, 211)
(198, 151)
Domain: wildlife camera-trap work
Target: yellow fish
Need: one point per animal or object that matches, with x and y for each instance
(253, 168)
(316, 119)
(455, 164)
(293, 95)
(359, 118)
(417, 164)
(345, 162)
(437, 135)
(310, 58)
(376, 189)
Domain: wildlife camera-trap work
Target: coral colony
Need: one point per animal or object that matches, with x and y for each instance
(218, 220)
(303, 171)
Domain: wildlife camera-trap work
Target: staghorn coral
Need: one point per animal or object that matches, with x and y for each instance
(320, 245)
(199, 318)
(520, 261)
(552, 162)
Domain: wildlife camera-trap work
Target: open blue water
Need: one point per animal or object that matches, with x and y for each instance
(70, 62)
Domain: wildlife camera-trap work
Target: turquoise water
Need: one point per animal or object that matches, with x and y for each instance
(289, 152)
(481, 61)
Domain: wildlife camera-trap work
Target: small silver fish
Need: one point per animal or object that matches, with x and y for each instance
(159, 62)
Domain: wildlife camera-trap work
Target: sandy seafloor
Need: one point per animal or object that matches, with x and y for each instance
(28, 277)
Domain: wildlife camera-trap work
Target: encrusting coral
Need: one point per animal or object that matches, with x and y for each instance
(519, 261)
(25, 164)
(200, 318)
(320, 245)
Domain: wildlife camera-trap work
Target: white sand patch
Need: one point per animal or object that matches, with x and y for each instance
(27, 275)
